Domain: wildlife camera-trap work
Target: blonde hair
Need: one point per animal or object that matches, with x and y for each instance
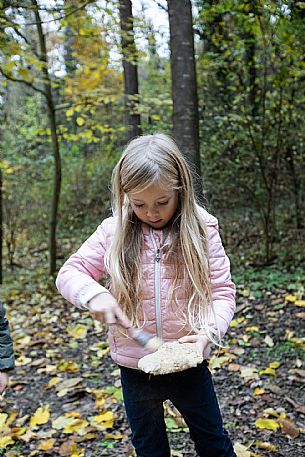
(146, 160)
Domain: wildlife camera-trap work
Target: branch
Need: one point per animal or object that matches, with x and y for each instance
(161, 6)
(23, 81)
(17, 31)
(64, 15)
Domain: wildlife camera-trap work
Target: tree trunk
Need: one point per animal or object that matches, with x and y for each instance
(55, 144)
(131, 89)
(184, 86)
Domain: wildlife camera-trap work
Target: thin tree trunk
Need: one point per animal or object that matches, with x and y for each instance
(55, 143)
(131, 87)
(184, 86)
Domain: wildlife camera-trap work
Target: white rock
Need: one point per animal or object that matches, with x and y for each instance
(171, 357)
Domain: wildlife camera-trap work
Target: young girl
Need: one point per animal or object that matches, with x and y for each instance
(169, 274)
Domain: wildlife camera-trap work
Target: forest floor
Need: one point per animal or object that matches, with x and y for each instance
(65, 399)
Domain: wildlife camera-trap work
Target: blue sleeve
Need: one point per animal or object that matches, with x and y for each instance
(7, 359)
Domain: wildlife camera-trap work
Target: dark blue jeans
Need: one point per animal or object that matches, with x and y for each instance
(192, 392)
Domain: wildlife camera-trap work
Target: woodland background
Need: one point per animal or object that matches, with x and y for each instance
(77, 80)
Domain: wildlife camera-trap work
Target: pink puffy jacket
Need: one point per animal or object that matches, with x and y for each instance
(78, 280)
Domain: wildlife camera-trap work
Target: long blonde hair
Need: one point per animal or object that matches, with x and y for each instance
(146, 160)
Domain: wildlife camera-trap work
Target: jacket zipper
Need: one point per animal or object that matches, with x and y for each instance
(157, 286)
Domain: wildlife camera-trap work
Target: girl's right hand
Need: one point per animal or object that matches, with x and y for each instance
(105, 309)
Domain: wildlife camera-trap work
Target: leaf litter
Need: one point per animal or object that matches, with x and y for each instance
(65, 397)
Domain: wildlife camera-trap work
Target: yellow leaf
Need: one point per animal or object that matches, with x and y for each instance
(274, 364)
(73, 414)
(110, 436)
(53, 382)
(46, 445)
(268, 424)
(11, 419)
(5, 441)
(290, 298)
(18, 431)
(252, 329)
(80, 121)
(69, 112)
(100, 402)
(259, 391)
(3, 417)
(77, 426)
(241, 450)
(78, 332)
(274, 412)
(237, 322)
(78, 453)
(266, 446)
(300, 303)
(269, 371)
(41, 416)
(22, 360)
(106, 419)
(68, 366)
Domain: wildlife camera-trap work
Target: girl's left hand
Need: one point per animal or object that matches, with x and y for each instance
(3, 381)
(201, 340)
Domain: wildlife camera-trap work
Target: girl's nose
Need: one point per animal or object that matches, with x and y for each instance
(151, 212)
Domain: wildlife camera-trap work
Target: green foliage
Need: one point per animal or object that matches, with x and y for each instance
(252, 84)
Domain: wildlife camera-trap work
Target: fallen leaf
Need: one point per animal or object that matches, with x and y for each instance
(78, 332)
(106, 419)
(61, 422)
(300, 303)
(68, 366)
(301, 315)
(233, 367)
(176, 454)
(258, 391)
(248, 373)
(3, 418)
(290, 298)
(6, 441)
(268, 424)
(41, 416)
(53, 382)
(241, 450)
(46, 445)
(110, 436)
(289, 428)
(77, 426)
(22, 360)
(266, 446)
(269, 341)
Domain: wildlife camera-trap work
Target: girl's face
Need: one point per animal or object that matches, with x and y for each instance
(155, 205)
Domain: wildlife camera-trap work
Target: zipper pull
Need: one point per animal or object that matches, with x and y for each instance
(158, 256)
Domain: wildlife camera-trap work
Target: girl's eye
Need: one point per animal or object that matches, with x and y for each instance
(163, 203)
(138, 206)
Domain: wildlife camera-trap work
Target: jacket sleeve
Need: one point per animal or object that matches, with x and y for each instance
(77, 280)
(7, 359)
(223, 289)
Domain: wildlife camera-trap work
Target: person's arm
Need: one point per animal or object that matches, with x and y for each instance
(77, 280)
(223, 289)
(7, 359)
